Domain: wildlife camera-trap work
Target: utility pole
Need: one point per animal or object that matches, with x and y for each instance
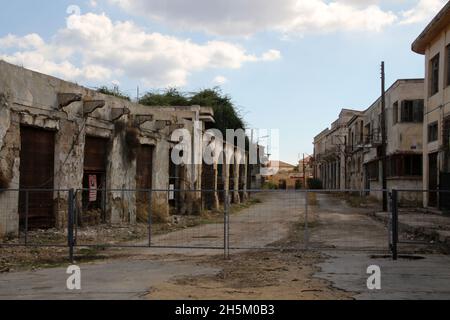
(383, 136)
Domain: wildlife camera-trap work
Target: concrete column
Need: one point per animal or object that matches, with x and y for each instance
(121, 174)
(9, 167)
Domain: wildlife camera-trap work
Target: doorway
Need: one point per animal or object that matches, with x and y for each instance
(94, 180)
(37, 156)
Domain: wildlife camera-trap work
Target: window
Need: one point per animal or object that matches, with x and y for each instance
(373, 170)
(434, 75)
(433, 132)
(448, 64)
(404, 165)
(361, 132)
(395, 113)
(368, 134)
(412, 111)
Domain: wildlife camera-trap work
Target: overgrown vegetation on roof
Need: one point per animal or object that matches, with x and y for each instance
(226, 114)
(114, 92)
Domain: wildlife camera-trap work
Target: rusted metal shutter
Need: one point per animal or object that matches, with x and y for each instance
(144, 167)
(95, 154)
(36, 172)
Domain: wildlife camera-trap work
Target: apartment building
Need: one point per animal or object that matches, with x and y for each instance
(353, 144)
(404, 122)
(354, 153)
(434, 44)
(330, 152)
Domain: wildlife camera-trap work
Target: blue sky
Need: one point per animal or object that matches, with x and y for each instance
(289, 65)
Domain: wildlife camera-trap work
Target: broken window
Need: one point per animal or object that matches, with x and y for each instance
(412, 111)
(434, 75)
(433, 132)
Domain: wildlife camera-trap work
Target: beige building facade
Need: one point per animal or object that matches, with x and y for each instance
(355, 141)
(434, 44)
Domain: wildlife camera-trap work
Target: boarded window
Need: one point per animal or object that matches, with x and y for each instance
(434, 75)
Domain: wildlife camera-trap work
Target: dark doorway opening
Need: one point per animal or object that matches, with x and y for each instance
(37, 157)
(175, 180)
(444, 197)
(94, 180)
(432, 179)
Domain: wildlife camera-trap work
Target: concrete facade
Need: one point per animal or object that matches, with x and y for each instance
(433, 43)
(330, 148)
(358, 143)
(404, 141)
(73, 113)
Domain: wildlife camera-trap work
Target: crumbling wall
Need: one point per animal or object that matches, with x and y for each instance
(121, 174)
(160, 178)
(9, 168)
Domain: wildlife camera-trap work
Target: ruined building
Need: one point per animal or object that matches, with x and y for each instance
(56, 135)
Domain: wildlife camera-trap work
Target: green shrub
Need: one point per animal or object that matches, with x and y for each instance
(270, 186)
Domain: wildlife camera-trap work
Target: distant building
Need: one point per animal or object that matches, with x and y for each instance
(286, 177)
(348, 155)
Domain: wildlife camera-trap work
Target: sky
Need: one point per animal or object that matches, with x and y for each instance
(290, 65)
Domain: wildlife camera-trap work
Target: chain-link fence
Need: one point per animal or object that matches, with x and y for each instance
(422, 220)
(35, 217)
(216, 219)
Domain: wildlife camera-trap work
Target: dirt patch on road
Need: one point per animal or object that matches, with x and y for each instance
(258, 275)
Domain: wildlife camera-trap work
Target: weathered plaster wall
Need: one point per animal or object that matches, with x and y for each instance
(33, 99)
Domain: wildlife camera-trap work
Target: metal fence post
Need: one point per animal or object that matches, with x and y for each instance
(226, 226)
(27, 199)
(150, 220)
(70, 223)
(306, 221)
(394, 224)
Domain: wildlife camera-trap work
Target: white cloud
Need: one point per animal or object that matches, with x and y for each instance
(423, 11)
(271, 55)
(93, 47)
(246, 17)
(220, 80)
